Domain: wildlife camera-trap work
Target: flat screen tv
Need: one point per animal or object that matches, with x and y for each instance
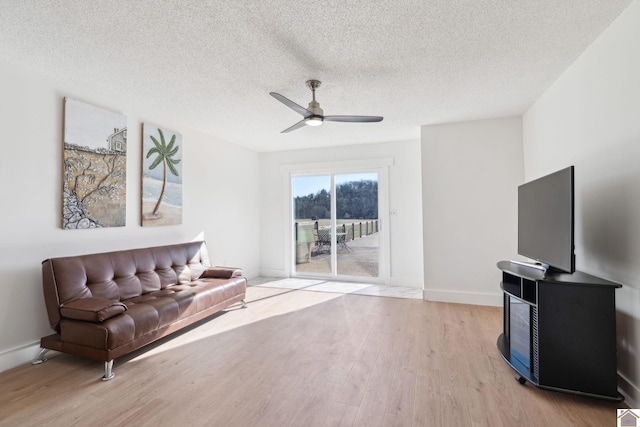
(545, 220)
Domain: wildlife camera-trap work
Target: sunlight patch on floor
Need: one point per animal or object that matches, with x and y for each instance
(260, 306)
(320, 285)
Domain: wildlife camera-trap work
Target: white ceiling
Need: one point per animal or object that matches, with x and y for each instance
(210, 65)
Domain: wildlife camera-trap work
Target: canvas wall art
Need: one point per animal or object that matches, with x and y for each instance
(95, 167)
(161, 176)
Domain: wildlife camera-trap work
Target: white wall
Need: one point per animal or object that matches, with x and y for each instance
(590, 117)
(220, 199)
(470, 174)
(404, 198)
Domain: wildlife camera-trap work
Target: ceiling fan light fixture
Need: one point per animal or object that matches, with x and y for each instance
(313, 121)
(314, 115)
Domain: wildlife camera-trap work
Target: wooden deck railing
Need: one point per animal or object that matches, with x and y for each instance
(353, 229)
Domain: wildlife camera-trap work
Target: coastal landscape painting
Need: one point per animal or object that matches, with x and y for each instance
(95, 166)
(161, 176)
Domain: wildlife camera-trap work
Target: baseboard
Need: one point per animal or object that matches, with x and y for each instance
(405, 282)
(11, 358)
(273, 272)
(459, 297)
(630, 391)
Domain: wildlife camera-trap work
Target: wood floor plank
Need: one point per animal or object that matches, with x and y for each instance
(304, 358)
(378, 391)
(428, 408)
(402, 400)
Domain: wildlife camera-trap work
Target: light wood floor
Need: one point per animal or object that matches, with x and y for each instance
(303, 358)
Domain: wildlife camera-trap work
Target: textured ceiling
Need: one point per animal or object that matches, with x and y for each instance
(210, 65)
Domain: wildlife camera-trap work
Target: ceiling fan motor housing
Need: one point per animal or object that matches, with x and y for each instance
(314, 107)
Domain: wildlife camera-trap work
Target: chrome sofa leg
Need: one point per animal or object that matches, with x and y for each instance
(108, 371)
(244, 304)
(40, 358)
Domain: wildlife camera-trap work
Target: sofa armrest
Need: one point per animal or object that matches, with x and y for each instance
(92, 309)
(222, 272)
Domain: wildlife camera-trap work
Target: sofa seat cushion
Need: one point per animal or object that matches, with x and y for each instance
(208, 292)
(238, 285)
(137, 321)
(149, 312)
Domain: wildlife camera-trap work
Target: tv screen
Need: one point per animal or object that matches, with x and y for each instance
(545, 220)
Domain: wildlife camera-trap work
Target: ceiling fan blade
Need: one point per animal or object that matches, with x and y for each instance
(300, 124)
(289, 103)
(353, 119)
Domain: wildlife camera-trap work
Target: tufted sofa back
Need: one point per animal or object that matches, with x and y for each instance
(119, 275)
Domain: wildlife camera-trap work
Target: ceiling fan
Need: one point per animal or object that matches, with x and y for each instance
(313, 114)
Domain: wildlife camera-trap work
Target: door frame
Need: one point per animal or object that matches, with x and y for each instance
(381, 166)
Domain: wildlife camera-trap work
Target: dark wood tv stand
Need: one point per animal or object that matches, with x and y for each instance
(560, 330)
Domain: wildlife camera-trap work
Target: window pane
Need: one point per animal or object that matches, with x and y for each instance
(312, 223)
(357, 234)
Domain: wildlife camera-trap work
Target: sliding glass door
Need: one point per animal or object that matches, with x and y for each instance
(336, 225)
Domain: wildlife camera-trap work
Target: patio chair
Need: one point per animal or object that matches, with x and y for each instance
(323, 238)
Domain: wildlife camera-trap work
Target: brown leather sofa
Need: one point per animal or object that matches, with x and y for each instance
(103, 306)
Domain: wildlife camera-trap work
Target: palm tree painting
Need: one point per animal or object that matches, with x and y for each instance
(161, 177)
